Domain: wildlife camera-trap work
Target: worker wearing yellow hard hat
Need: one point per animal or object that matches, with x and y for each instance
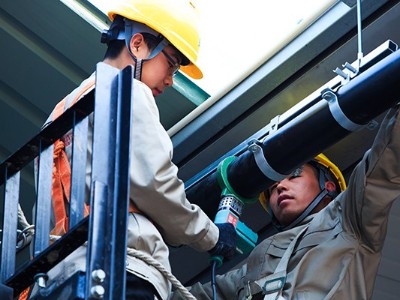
(157, 38)
(170, 22)
(331, 183)
(330, 236)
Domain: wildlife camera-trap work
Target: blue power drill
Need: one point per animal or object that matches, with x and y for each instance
(230, 209)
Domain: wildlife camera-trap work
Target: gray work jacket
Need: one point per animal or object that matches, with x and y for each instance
(339, 255)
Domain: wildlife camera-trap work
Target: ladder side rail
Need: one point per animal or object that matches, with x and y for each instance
(106, 225)
(9, 227)
(122, 182)
(101, 182)
(42, 211)
(78, 170)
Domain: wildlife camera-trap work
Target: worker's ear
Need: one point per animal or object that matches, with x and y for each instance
(138, 46)
(330, 186)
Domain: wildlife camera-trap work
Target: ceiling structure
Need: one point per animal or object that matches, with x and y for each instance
(47, 49)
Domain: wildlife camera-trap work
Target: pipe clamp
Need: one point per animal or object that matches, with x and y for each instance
(337, 112)
(262, 163)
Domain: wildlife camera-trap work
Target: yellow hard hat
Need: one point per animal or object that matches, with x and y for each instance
(322, 160)
(334, 170)
(176, 20)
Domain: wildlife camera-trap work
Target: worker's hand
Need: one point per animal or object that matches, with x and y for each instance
(226, 245)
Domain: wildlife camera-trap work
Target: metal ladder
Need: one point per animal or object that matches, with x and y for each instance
(111, 104)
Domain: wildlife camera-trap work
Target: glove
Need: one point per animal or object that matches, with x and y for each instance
(226, 244)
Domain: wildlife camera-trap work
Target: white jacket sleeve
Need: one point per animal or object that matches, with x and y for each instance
(155, 187)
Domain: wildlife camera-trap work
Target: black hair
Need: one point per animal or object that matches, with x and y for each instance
(114, 48)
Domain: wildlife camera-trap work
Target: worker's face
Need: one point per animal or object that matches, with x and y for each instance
(291, 196)
(158, 72)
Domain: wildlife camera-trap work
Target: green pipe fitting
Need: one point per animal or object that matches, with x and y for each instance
(222, 177)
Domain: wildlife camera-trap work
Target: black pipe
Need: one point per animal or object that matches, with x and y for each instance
(361, 99)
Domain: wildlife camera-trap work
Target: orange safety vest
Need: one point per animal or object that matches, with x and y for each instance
(61, 182)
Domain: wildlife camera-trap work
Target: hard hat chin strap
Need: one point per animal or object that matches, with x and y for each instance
(137, 74)
(317, 200)
(131, 28)
(322, 178)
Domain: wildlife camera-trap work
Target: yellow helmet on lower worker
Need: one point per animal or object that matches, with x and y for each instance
(327, 166)
(176, 20)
